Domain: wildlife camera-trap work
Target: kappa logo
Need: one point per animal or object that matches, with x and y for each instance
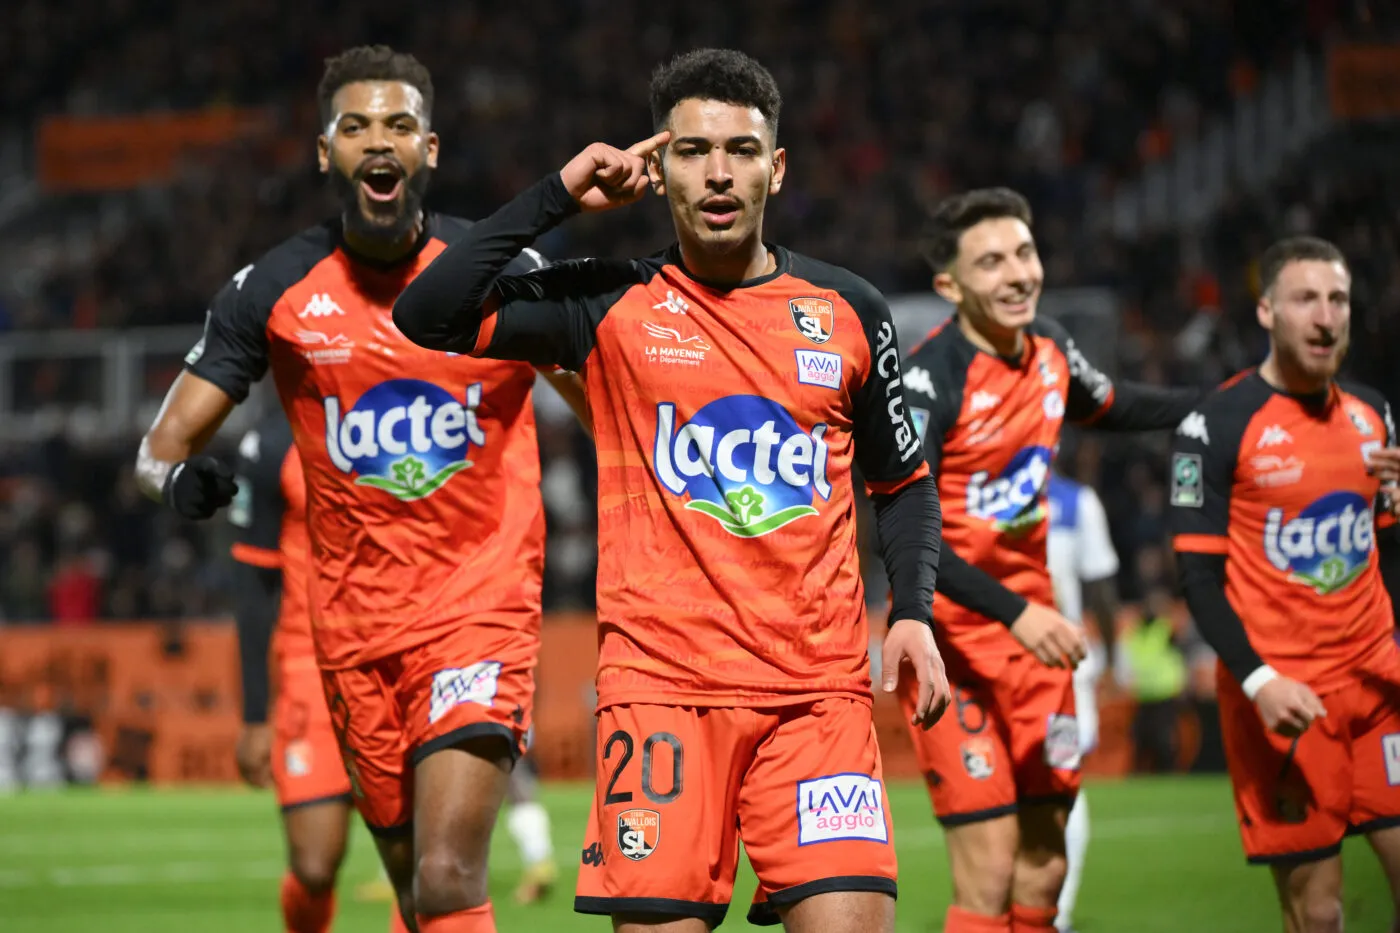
(814, 317)
(1273, 436)
(981, 401)
(321, 305)
(638, 833)
(673, 303)
(917, 379)
(1194, 426)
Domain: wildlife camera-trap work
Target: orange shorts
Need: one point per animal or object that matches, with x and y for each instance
(679, 787)
(1008, 741)
(306, 765)
(1296, 800)
(393, 712)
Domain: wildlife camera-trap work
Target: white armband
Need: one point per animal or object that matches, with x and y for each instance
(1256, 681)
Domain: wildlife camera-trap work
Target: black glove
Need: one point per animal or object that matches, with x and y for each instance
(198, 487)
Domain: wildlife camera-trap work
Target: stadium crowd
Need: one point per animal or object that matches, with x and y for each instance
(1053, 98)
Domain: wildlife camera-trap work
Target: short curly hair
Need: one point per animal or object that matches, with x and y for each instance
(372, 63)
(715, 74)
(959, 213)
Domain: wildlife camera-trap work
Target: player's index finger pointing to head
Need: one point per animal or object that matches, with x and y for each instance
(647, 146)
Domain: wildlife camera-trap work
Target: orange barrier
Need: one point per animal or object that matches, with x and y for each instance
(1363, 81)
(109, 153)
(165, 700)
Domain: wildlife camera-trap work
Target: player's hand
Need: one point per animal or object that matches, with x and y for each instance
(912, 640)
(254, 754)
(1384, 464)
(1288, 707)
(1053, 639)
(198, 487)
(602, 177)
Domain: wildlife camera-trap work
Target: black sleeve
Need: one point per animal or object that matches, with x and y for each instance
(1205, 450)
(257, 598)
(256, 512)
(1202, 578)
(1387, 531)
(908, 524)
(463, 303)
(975, 589)
(232, 353)
(886, 443)
(1127, 406)
(257, 508)
(934, 397)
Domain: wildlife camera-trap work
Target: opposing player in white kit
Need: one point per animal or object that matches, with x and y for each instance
(1082, 564)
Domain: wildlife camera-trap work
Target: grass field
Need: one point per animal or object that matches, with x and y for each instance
(1165, 858)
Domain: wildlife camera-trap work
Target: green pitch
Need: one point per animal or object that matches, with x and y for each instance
(1165, 858)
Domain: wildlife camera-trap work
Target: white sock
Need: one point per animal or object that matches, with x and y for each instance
(529, 827)
(1076, 844)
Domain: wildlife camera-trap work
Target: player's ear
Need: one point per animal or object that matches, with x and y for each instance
(775, 183)
(432, 146)
(656, 171)
(1265, 312)
(323, 153)
(948, 288)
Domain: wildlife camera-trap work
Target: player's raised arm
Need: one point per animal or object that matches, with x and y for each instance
(1096, 400)
(462, 303)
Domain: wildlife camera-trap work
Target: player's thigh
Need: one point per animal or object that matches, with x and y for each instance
(982, 858)
(841, 912)
(1375, 752)
(1292, 796)
(1039, 705)
(964, 757)
(369, 730)
(813, 809)
(307, 768)
(458, 792)
(1386, 844)
(662, 840)
(475, 683)
(317, 834)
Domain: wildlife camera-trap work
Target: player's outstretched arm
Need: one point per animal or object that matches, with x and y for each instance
(169, 466)
(1096, 400)
(461, 303)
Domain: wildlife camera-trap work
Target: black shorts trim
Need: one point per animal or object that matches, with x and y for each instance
(1373, 826)
(1064, 800)
(765, 914)
(1297, 858)
(712, 914)
(390, 832)
(346, 799)
(977, 816)
(457, 736)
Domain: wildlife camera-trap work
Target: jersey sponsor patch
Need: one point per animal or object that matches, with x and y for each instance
(457, 685)
(638, 833)
(1326, 546)
(841, 807)
(744, 462)
(1188, 486)
(1062, 742)
(1013, 501)
(405, 437)
(197, 350)
(1390, 749)
(920, 416)
(819, 368)
(297, 758)
(814, 317)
